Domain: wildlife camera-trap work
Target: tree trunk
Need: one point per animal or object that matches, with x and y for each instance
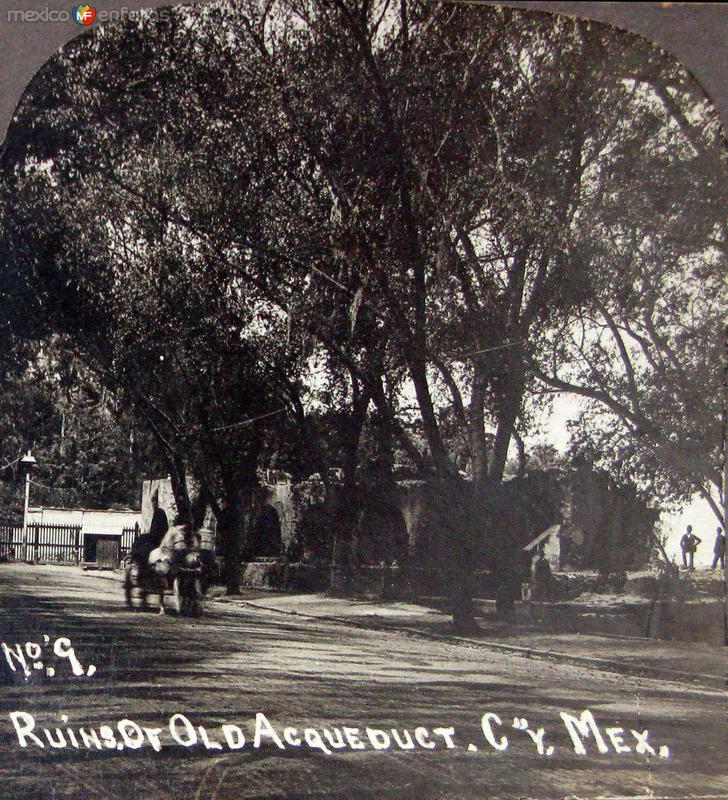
(456, 518)
(476, 429)
(342, 562)
(418, 374)
(347, 503)
(460, 519)
(229, 532)
(347, 507)
(521, 448)
(178, 479)
(232, 560)
(506, 421)
(507, 571)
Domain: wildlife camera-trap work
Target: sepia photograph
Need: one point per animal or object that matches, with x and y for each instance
(363, 407)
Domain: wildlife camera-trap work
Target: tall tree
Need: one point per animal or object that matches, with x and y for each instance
(156, 315)
(646, 348)
(421, 193)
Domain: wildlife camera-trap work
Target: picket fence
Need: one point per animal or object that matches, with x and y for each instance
(54, 544)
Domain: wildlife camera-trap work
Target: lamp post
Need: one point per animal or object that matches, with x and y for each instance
(27, 462)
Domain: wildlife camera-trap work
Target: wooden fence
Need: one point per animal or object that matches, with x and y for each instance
(50, 544)
(53, 544)
(11, 541)
(128, 537)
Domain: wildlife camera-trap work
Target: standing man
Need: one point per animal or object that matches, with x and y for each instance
(719, 549)
(689, 544)
(159, 524)
(542, 577)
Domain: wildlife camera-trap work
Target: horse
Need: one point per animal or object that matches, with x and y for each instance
(150, 566)
(178, 564)
(147, 580)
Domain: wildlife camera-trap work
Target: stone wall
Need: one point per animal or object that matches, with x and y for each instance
(290, 502)
(418, 525)
(609, 527)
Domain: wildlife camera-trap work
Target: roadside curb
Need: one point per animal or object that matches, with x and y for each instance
(693, 679)
(697, 680)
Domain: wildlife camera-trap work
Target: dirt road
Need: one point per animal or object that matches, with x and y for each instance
(325, 710)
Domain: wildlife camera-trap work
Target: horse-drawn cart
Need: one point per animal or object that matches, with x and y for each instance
(186, 577)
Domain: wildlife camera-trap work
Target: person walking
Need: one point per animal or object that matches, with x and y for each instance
(719, 549)
(689, 544)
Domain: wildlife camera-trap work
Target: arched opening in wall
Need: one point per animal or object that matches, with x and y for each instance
(382, 534)
(264, 540)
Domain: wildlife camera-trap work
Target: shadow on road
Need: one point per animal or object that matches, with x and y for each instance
(230, 664)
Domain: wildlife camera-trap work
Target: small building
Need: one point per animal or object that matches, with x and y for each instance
(96, 538)
(550, 541)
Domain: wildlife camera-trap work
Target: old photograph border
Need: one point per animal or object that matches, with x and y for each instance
(695, 35)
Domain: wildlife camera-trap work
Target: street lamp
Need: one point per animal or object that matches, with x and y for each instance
(27, 462)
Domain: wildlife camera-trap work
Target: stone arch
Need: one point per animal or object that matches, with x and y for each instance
(382, 532)
(264, 538)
